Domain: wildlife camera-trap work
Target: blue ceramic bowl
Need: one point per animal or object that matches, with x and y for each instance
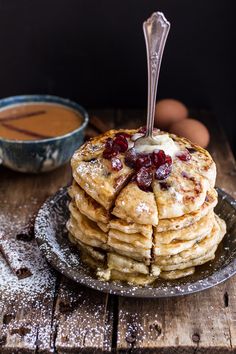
(46, 154)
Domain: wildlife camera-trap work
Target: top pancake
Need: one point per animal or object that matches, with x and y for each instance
(94, 173)
(201, 159)
(186, 191)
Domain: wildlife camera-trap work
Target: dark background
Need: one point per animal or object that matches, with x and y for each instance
(94, 52)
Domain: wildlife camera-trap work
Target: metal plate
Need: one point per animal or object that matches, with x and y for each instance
(51, 235)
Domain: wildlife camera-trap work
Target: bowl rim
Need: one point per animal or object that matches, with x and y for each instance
(44, 98)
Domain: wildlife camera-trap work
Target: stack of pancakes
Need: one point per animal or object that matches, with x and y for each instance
(128, 234)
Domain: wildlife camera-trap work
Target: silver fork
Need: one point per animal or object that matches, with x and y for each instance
(156, 30)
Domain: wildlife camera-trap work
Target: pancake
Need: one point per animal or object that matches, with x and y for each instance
(85, 225)
(185, 192)
(175, 247)
(96, 253)
(124, 248)
(104, 227)
(94, 174)
(131, 227)
(75, 231)
(132, 278)
(146, 213)
(137, 240)
(135, 205)
(191, 263)
(87, 205)
(194, 231)
(198, 249)
(125, 264)
(176, 274)
(202, 160)
(189, 218)
(90, 261)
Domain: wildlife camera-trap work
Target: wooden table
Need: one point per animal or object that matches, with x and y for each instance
(47, 313)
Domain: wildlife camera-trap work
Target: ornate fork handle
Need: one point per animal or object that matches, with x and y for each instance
(156, 30)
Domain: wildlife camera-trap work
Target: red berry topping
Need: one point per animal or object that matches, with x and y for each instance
(163, 171)
(108, 144)
(168, 160)
(183, 155)
(113, 147)
(109, 153)
(144, 178)
(131, 157)
(120, 143)
(158, 157)
(142, 130)
(143, 160)
(116, 164)
(123, 134)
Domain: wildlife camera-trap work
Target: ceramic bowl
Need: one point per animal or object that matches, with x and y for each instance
(36, 156)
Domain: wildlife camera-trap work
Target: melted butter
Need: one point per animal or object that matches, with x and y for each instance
(164, 142)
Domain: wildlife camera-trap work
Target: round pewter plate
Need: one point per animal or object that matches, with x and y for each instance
(51, 235)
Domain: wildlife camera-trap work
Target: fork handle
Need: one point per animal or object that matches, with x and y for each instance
(156, 30)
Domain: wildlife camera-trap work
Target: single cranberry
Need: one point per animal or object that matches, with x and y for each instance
(158, 157)
(116, 164)
(108, 144)
(144, 178)
(183, 155)
(143, 160)
(142, 130)
(109, 153)
(168, 159)
(123, 134)
(120, 143)
(131, 157)
(163, 171)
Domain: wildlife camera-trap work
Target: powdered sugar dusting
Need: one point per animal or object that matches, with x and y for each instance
(142, 208)
(26, 302)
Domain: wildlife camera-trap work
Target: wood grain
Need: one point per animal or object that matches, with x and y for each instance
(26, 316)
(63, 317)
(88, 322)
(199, 323)
(82, 318)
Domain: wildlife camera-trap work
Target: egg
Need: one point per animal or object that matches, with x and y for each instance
(193, 130)
(169, 111)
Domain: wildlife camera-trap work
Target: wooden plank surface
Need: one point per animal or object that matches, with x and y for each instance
(45, 312)
(199, 323)
(83, 318)
(27, 304)
(54, 314)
